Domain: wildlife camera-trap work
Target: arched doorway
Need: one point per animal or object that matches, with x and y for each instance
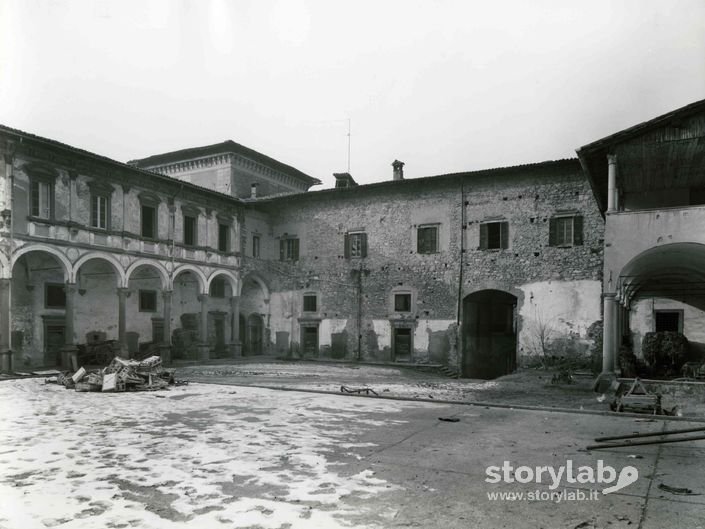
(255, 326)
(489, 334)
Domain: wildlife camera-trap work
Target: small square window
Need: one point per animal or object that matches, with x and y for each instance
(566, 231)
(54, 296)
(494, 235)
(148, 301)
(223, 238)
(310, 303)
(289, 249)
(190, 230)
(355, 245)
(427, 239)
(402, 302)
(255, 246)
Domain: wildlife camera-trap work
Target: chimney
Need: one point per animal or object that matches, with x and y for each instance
(398, 170)
(253, 191)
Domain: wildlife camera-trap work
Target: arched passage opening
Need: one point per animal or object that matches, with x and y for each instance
(663, 290)
(188, 303)
(39, 330)
(254, 306)
(146, 283)
(489, 334)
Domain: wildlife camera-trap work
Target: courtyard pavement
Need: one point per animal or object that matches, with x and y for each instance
(211, 455)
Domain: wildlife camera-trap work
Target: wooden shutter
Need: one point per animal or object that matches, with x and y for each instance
(295, 250)
(95, 221)
(552, 232)
(346, 246)
(363, 245)
(483, 236)
(578, 230)
(282, 249)
(504, 234)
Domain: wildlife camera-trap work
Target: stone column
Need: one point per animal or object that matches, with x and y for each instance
(610, 334)
(611, 182)
(165, 346)
(5, 352)
(69, 352)
(123, 294)
(235, 345)
(203, 347)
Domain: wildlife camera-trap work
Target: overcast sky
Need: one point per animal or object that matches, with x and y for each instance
(444, 86)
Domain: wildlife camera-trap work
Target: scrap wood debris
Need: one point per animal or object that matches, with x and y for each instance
(677, 490)
(120, 375)
(358, 391)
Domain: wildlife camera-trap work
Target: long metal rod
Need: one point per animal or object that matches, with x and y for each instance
(636, 435)
(643, 443)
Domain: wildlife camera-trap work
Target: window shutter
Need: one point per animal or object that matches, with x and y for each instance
(35, 199)
(282, 250)
(552, 235)
(363, 245)
(434, 240)
(483, 237)
(295, 250)
(346, 246)
(578, 230)
(95, 222)
(504, 235)
(420, 247)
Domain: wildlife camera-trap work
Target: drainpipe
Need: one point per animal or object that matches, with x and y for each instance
(463, 228)
(359, 313)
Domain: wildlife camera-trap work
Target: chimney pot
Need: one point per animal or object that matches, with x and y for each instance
(398, 170)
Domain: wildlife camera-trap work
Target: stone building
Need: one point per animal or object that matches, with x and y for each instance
(221, 251)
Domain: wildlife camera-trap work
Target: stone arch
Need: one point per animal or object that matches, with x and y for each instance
(231, 278)
(253, 276)
(63, 260)
(156, 265)
(117, 267)
(200, 276)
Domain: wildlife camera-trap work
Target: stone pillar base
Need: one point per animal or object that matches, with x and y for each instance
(204, 352)
(6, 361)
(165, 354)
(604, 382)
(235, 349)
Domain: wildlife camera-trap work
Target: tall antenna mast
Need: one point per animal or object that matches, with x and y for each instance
(348, 145)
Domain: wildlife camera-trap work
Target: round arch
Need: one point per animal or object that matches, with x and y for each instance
(200, 276)
(156, 265)
(669, 271)
(252, 276)
(117, 267)
(232, 279)
(65, 263)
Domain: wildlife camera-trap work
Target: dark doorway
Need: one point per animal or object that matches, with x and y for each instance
(309, 340)
(219, 324)
(54, 340)
(668, 320)
(254, 334)
(242, 330)
(489, 334)
(401, 344)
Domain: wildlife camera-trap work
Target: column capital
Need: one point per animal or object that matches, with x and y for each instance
(611, 296)
(70, 287)
(5, 283)
(123, 292)
(203, 297)
(166, 292)
(611, 159)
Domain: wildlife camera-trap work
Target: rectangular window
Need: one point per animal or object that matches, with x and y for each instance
(355, 245)
(255, 246)
(494, 235)
(668, 320)
(42, 199)
(289, 249)
(149, 221)
(310, 303)
(223, 237)
(427, 239)
(189, 230)
(54, 296)
(148, 301)
(99, 211)
(566, 231)
(402, 302)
